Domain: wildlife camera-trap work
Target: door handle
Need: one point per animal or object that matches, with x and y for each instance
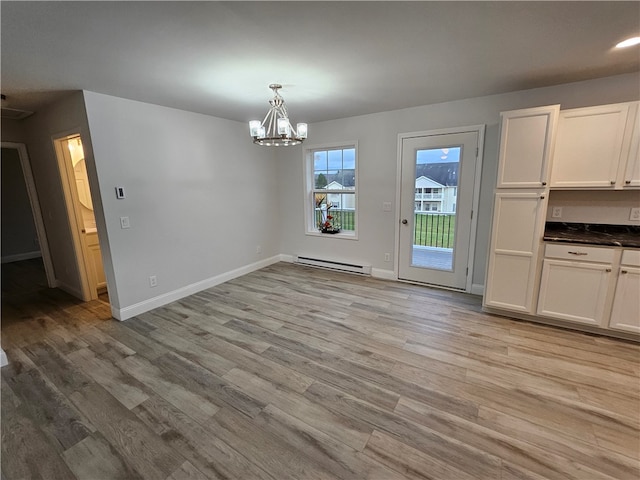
(405, 221)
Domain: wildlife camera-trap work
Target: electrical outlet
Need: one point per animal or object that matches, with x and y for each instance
(259, 249)
(635, 214)
(556, 212)
(387, 257)
(386, 206)
(153, 281)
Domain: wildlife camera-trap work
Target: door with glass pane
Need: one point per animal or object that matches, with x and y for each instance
(438, 178)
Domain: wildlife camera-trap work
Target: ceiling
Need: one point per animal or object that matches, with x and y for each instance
(334, 59)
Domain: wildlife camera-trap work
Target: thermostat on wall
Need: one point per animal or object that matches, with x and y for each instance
(119, 192)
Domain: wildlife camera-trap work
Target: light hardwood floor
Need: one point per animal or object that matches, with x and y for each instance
(298, 373)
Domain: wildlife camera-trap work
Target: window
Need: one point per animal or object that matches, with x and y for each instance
(331, 189)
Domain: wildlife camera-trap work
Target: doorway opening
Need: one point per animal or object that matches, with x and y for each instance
(439, 192)
(24, 238)
(82, 221)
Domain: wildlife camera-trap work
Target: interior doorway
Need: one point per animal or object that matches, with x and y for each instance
(23, 233)
(77, 193)
(439, 193)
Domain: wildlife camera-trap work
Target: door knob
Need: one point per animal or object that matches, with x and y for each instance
(405, 221)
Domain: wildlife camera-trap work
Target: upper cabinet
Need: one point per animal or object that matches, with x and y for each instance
(526, 144)
(631, 177)
(594, 148)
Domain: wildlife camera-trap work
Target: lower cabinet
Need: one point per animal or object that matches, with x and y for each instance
(574, 291)
(596, 286)
(625, 314)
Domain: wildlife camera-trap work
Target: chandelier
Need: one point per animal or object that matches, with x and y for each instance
(276, 130)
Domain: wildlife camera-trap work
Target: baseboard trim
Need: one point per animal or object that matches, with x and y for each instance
(130, 311)
(21, 256)
(383, 274)
(477, 289)
(70, 290)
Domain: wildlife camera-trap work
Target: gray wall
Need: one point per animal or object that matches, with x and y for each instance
(377, 135)
(19, 236)
(62, 117)
(199, 195)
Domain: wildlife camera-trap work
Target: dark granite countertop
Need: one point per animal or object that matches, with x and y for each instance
(593, 234)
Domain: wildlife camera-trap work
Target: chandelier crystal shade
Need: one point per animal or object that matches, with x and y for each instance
(276, 130)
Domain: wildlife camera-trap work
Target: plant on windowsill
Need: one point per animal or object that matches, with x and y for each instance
(327, 222)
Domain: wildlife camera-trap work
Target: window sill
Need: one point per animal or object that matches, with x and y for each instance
(344, 236)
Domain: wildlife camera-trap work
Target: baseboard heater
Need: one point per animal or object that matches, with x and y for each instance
(330, 264)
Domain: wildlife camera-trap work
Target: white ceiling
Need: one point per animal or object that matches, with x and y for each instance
(334, 59)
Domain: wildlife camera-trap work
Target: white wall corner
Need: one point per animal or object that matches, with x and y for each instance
(477, 289)
(383, 274)
(3, 358)
(286, 258)
(141, 307)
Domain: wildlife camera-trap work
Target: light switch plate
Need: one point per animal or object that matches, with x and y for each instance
(124, 222)
(120, 193)
(386, 206)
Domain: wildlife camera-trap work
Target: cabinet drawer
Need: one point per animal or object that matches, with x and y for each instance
(579, 253)
(631, 257)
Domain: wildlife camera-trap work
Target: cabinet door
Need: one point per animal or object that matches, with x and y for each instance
(589, 146)
(574, 291)
(515, 241)
(626, 302)
(632, 169)
(526, 140)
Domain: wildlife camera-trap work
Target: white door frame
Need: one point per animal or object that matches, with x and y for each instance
(479, 129)
(70, 194)
(32, 193)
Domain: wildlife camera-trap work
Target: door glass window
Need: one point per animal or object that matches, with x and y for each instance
(435, 223)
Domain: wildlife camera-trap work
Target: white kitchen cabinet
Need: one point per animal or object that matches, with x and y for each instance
(593, 146)
(625, 314)
(631, 176)
(526, 143)
(575, 283)
(518, 220)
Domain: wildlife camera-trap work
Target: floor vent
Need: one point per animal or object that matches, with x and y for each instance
(342, 266)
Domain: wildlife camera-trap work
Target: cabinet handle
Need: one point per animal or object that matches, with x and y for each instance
(541, 197)
(628, 182)
(578, 253)
(623, 271)
(608, 270)
(613, 182)
(544, 183)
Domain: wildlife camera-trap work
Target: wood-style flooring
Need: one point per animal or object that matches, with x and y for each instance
(298, 373)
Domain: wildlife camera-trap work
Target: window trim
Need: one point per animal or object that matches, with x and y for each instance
(309, 187)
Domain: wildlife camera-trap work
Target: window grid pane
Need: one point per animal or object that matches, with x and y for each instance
(333, 173)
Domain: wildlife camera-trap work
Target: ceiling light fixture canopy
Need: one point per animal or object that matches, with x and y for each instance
(276, 130)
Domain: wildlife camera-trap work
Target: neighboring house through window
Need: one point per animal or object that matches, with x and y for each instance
(331, 188)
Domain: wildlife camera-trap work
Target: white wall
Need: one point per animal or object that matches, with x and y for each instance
(64, 116)
(604, 207)
(199, 195)
(377, 156)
